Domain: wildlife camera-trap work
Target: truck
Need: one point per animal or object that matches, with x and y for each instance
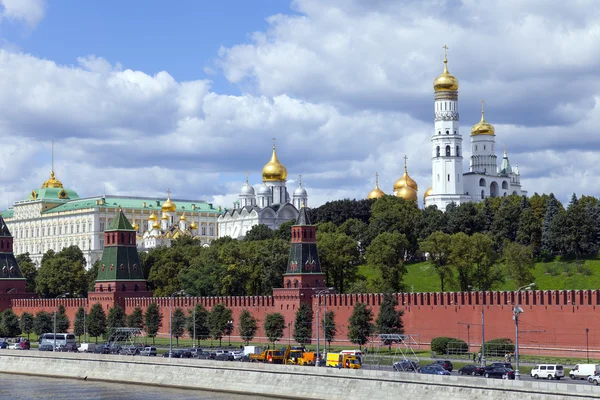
(343, 361)
(252, 350)
(582, 371)
(271, 356)
(301, 357)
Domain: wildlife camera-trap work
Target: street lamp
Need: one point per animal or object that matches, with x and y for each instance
(229, 329)
(324, 325)
(194, 339)
(587, 344)
(60, 296)
(516, 311)
(178, 293)
(289, 333)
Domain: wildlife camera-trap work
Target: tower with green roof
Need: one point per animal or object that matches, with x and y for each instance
(11, 278)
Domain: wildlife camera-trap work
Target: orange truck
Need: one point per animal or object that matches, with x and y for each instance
(271, 356)
(337, 360)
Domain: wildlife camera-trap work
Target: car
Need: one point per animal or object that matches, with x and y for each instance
(45, 347)
(499, 372)
(446, 364)
(471, 370)
(237, 355)
(185, 353)
(25, 344)
(406, 365)
(102, 349)
(129, 351)
(15, 346)
(194, 351)
(148, 351)
(174, 354)
(500, 364)
(433, 369)
(595, 379)
(115, 349)
(224, 357)
(69, 348)
(203, 355)
(3, 345)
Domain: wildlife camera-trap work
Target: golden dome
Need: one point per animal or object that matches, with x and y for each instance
(445, 82)
(405, 180)
(482, 127)
(153, 217)
(407, 193)
(52, 182)
(155, 225)
(274, 170)
(169, 206)
(164, 217)
(428, 193)
(183, 217)
(193, 225)
(135, 226)
(376, 193)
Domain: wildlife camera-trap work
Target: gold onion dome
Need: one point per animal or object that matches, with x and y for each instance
(169, 206)
(274, 170)
(155, 225)
(193, 225)
(405, 180)
(376, 193)
(407, 193)
(135, 226)
(183, 217)
(445, 82)
(428, 193)
(482, 127)
(153, 217)
(52, 182)
(164, 217)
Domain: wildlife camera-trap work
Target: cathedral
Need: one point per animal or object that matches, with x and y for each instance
(271, 205)
(449, 183)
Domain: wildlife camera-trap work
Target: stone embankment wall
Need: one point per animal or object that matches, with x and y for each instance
(281, 381)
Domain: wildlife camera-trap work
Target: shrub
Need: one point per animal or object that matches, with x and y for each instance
(499, 347)
(448, 345)
(551, 269)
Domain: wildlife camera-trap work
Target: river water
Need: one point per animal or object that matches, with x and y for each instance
(21, 387)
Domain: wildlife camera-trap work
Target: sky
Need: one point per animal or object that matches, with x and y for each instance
(144, 96)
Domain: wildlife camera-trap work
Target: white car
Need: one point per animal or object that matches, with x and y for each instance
(15, 346)
(237, 355)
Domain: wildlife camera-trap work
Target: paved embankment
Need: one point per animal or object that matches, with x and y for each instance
(280, 381)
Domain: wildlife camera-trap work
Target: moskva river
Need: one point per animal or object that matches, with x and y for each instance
(20, 387)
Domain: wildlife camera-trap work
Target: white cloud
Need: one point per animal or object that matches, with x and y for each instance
(29, 11)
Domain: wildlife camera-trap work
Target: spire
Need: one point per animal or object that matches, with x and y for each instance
(377, 179)
(246, 178)
(302, 216)
(120, 223)
(300, 182)
(445, 59)
(482, 110)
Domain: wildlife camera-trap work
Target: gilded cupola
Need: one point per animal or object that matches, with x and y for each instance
(52, 182)
(405, 180)
(169, 206)
(376, 193)
(446, 81)
(193, 225)
(183, 217)
(153, 217)
(427, 193)
(274, 170)
(482, 127)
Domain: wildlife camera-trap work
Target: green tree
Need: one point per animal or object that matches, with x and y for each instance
(284, 232)
(201, 318)
(338, 211)
(506, 220)
(460, 259)
(360, 324)
(42, 323)
(550, 229)
(518, 260)
(303, 324)
(96, 321)
(116, 318)
(339, 256)
(330, 327)
(430, 220)
(529, 232)
(10, 323)
(389, 320)
(218, 320)
(463, 218)
(178, 324)
(387, 253)
(92, 274)
(62, 272)
(581, 228)
(438, 247)
(28, 269)
(152, 321)
(259, 232)
(62, 321)
(79, 324)
(487, 273)
(247, 326)
(390, 214)
(27, 320)
(274, 326)
(136, 318)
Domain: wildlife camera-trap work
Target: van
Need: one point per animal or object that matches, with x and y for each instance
(61, 340)
(343, 361)
(582, 371)
(548, 371)
(148, 351)
(87, 347)
(357, 353)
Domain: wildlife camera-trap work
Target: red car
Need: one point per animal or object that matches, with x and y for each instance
(25, 345)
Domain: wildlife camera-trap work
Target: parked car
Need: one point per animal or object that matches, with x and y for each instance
(500, 364)
(102, 349)
(595, 379)
(115, 349)
(433, 369)
(204, 355)
(499, 372)
(87, 347)
(25, 344)
(471, 370)
(15, 346)
(45, 347)
(224, 357)
(446, 364)
(548, 371)
(129, 351)
(582, 371)
(194, 351)
(3, 345)
(148, 351)
(237, 355)
(406, 365)
(69, 348)
(185, 353)
(174, 354)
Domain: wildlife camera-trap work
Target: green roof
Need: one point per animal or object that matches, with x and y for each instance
(121, 223)
(7, 213)
(53, 194)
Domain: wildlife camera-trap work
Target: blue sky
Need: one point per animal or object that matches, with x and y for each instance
(141, 96)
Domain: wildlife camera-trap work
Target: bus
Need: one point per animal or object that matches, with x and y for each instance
(62, 339)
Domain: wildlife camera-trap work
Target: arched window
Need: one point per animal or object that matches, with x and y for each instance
(504, 185)
(136, 287)
(439, 132)
(317, 283)
(455, 132)
(123, 288)
(296, 283)
(437, 151)
(482, 182)
(289, 284)
(447, 151)
(457, 151)
(447, 132)
(101, 288)
(109, 288)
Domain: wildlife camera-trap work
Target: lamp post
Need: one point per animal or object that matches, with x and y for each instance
(178, 293)
(194, 339)
(326, 290)
(587, 344)
(516, 311)
(60, 296)
(229, 329)
(289, 333)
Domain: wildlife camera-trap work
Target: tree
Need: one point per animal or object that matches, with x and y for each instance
(218, 320)
(79, 324)
(506, 220)
(431, 220)
(387, 253)
(10, 323)
(486, 273)
(178, 324)
(338, 211)
(438, 247)
(463, 218)
(303, 324)
(389, 320)
(518, 260)
(330, 328)
(62, 272)
(360, 324)
(247, 326)
(274, 326)
(259, 232)
(339, 256)
(529, 232)
(550, 236)
(96, 321)
(28, 269)
(62, 321)
(152, 321)
(136, 318)
(201, 323)
(116, 318)
(27, 323)
(391, 214)
(42, 323)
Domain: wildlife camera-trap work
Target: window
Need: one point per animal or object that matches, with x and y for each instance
(102, 226)
(455, 132)
(212, 230)
(439, 132)
(447, 151)
(448, 177)
(447, 132)
(457, 151)
(484, 147)
(475, 148)
(203, 231)
(504, 185)
(482, 195)
(438, 177)
(437, 151)
(482, 182)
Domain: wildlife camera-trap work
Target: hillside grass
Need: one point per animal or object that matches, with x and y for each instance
(554, 275)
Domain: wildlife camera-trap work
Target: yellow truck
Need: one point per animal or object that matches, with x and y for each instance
(271, 356)
(337, 360)
(301, 357)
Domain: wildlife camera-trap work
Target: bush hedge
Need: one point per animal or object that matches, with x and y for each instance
(448, 345)
(499, 347)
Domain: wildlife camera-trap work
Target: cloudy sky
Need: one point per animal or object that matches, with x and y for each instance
(142, 96)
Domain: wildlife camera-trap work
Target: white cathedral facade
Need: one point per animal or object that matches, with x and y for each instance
(484, 179)
(270, 205)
